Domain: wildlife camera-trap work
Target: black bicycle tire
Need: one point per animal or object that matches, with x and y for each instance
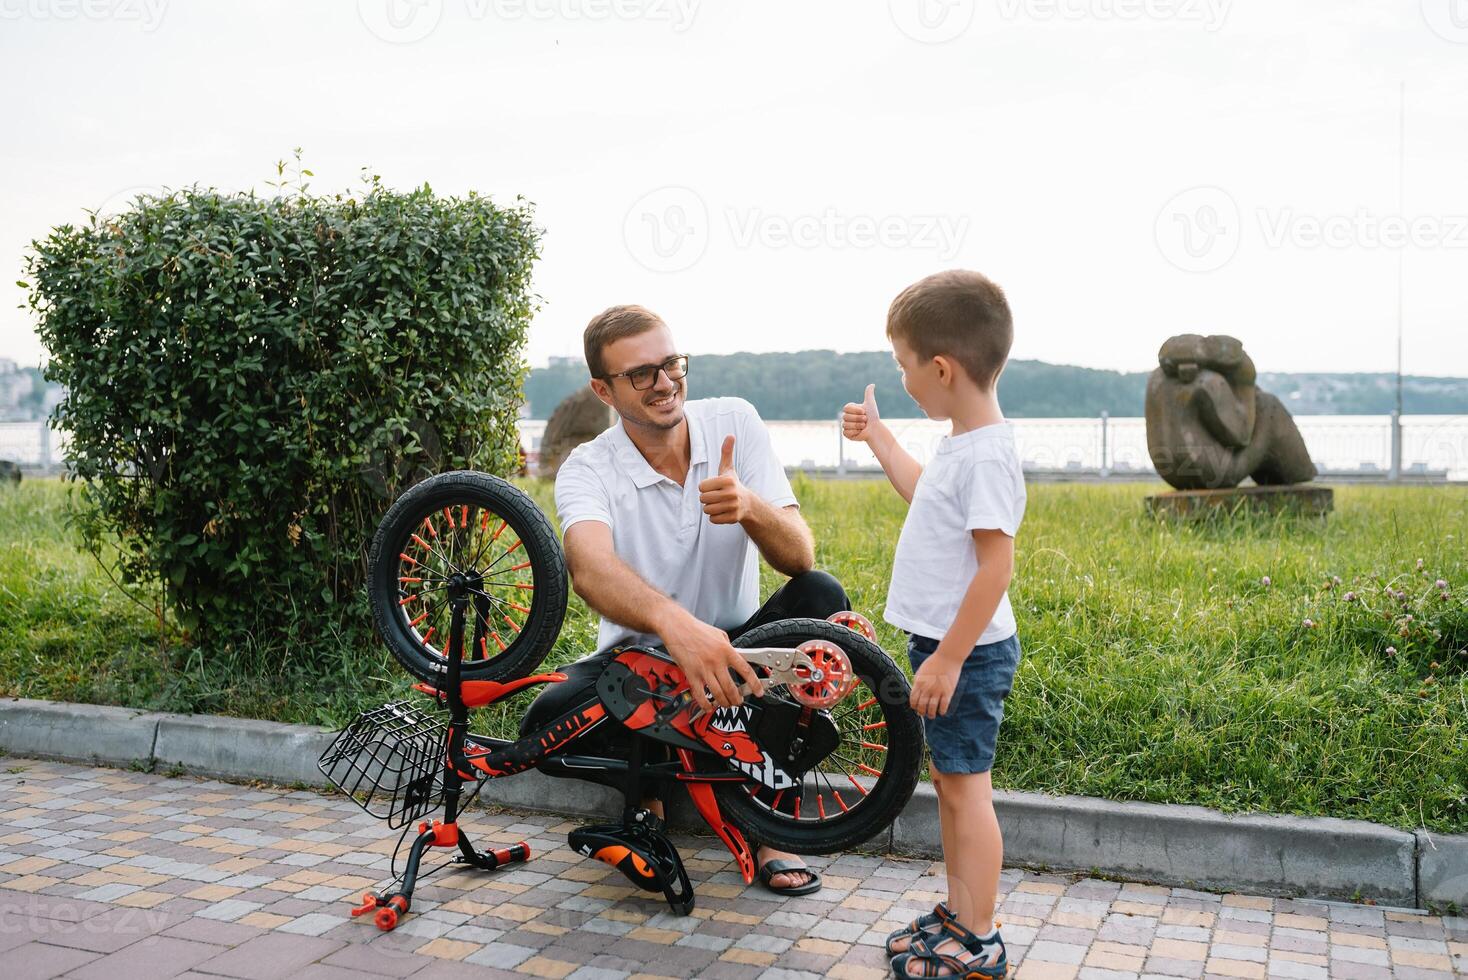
(542, 548)
(905, 749)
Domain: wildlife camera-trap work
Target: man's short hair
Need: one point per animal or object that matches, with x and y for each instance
(612, 324)
(959, 314)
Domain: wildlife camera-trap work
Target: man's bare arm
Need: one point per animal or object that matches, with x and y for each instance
(612, 588)
(781, 535)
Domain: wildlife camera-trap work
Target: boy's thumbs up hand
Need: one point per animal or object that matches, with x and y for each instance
(858, 422)
(725, 500)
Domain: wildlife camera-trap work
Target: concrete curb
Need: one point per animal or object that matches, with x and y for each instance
(1165, 844)
(1192, 846)
(1442, 870)
(77, 732)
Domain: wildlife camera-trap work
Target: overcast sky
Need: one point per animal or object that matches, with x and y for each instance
(767, 175)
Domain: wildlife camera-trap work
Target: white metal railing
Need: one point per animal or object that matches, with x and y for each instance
(1341, 445)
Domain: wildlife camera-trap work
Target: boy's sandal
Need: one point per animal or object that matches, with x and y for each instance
(989, 959)
(781, 866)
(928, 922)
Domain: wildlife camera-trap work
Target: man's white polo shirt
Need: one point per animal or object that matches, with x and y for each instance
(659, 527)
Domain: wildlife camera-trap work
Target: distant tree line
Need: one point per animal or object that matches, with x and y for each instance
(814, 384)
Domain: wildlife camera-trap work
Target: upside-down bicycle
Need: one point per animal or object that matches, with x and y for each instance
(468, 590)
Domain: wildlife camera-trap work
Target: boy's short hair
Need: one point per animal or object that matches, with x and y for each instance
(612, 324)
(959, 314)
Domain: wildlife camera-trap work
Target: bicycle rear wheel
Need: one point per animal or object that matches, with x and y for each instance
(490, 533)
(858, 789)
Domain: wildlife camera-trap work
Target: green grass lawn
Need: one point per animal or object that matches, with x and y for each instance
(1277, 665)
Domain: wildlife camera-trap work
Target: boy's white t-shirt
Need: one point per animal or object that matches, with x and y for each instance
(973, 482)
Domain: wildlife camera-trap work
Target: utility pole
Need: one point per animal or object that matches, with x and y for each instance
(1396, 463)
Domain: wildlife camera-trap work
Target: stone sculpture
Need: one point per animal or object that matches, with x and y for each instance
(580, 417)
(1208, 426)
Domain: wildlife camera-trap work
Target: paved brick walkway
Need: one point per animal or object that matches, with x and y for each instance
(114, 874)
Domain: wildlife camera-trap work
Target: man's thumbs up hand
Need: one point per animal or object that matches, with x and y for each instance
(725, 500)
(858, 422)
(726, 457)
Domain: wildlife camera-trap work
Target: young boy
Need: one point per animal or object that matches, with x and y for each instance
(951, 334)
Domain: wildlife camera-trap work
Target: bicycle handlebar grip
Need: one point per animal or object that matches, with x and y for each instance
(511, 854)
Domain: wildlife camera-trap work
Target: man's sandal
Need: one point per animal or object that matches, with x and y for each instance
(982, 959)
(929, 922)
(780, 866)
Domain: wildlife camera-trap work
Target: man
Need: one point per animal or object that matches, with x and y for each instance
(665, 516)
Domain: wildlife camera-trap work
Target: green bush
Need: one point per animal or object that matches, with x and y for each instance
(251, 380)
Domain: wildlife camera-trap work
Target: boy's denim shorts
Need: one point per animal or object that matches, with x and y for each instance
(962, 741)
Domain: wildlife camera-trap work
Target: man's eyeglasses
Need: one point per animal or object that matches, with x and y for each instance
(644, 377)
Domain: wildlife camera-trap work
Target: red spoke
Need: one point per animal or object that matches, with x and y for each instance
(511, 622)
(874, 745)
(425, 544)
(859, 788)
(404, 578)
(522, 609)
(429, 635)
(868, 770)
(463, 515)
(874, 725)
(428, 523)
(866, 704)
(797, 807)
(497, 639)
(483, 648)
(516, 568)
(821, 805)
(419, 619)
(500, 530)
(404, 557)
(449, 516)
(404, 602)
(839, 801)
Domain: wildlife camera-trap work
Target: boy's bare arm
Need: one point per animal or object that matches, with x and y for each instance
(995, 551)
(901, 469)
(936, 680)
(863, 423)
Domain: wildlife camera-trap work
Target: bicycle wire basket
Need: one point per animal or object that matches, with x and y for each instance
(390, 762)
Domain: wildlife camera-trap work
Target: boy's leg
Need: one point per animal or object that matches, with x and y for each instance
(973, 848)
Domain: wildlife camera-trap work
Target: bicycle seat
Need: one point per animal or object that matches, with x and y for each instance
(477, 694)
